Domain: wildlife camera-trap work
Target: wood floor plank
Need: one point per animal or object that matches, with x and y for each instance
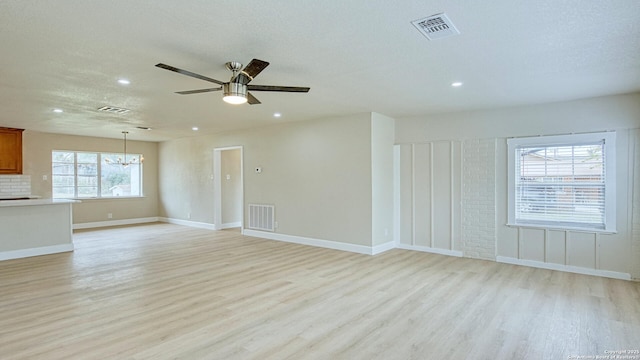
(162, 291)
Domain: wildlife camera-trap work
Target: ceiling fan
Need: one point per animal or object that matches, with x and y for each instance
(236, 90)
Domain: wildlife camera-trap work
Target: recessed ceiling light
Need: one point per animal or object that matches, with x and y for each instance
(277, 114)
(57, 110)
(124, 81)
(456, 84)
(195, 128)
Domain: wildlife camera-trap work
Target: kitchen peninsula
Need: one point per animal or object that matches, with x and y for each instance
(33, 227)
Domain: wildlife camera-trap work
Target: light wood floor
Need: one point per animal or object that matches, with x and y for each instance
(164, 291)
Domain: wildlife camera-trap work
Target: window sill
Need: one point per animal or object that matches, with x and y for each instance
(106, 198)
(564, 228)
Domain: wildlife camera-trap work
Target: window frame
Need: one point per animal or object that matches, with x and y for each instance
(99, 163)
(609, 139)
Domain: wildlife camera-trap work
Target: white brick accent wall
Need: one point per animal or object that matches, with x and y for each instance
(479, 199)
(15, 186)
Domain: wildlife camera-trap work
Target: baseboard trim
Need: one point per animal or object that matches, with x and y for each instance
(99, 224)
(328, 244)
(565, 268)
(45, 250)
(229, 225)
(430, 250)
(190, 223)
(378, 249)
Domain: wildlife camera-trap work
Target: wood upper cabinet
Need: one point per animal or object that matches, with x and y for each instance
(10, 151)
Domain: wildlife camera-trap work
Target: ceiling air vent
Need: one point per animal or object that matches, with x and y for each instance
(436, 26)
(113, 110)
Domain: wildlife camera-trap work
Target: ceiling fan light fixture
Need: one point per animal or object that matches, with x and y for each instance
(234, 93)
(235, 99)
(236, 90)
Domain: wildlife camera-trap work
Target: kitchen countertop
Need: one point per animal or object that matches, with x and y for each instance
(31, 202)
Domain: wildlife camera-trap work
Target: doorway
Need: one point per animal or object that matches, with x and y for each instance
(228, 187)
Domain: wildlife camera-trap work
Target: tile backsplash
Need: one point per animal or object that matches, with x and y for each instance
(15, 186)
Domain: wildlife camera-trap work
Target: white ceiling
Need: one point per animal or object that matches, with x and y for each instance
(355, 55)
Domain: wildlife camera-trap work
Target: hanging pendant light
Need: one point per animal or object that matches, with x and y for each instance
(123, 160)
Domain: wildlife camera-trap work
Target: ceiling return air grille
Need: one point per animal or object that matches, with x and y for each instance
(436, 26)
(113, 110)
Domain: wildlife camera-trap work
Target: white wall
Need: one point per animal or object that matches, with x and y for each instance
(329, 180)
(483, 136)
(317, 174)
(37, 149)
(382, 140)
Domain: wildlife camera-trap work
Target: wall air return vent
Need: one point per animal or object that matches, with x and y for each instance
(436, 26)
(261, 217)
(113, 110)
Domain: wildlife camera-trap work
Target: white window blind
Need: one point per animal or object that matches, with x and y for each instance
(562, 181)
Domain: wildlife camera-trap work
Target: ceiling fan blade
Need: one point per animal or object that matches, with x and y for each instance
(252, 99)
(255, 67)
(188, 73)
(187, 92)
(277, 88)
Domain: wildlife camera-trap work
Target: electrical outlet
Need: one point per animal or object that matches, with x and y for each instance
(188, 215)
(275, 224)
(109, 216)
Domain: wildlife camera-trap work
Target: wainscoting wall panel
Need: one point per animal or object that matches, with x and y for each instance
(405, 192)
(422, 194)
(430, 191)
(442, 204)
(531, 244)
(581, 250)
(555, 247)
(451, 196)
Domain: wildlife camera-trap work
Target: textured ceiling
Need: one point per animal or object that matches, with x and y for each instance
(356, 56)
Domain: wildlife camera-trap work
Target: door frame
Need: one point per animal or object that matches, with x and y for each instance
(217, 186)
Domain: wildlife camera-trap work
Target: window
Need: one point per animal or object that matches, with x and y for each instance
(565, 182)
(78, 174)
